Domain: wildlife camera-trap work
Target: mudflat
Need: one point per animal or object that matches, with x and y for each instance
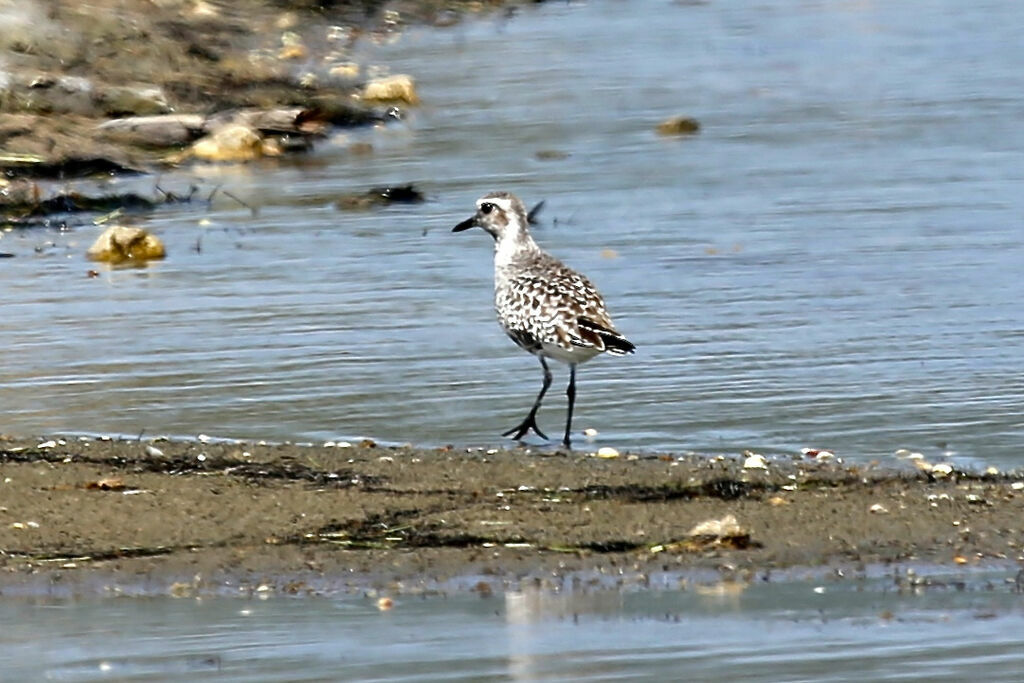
(188, 516)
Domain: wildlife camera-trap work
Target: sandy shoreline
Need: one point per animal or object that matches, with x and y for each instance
(186, 517)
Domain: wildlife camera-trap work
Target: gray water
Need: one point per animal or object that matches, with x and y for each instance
(966, 628)
(833, 262)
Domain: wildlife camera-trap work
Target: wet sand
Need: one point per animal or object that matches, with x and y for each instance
(191, 517)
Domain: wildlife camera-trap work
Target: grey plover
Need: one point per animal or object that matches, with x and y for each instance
(543, 305)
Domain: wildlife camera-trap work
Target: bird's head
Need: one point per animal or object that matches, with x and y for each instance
(499, 213)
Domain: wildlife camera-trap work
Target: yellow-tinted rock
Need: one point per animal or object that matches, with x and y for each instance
(397, 88)
(345, 70)
(679, 125)
(234, 143)
(297, 51)
(120, 243)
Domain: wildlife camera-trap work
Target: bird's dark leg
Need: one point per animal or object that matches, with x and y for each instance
(530, 422)
(570, 392)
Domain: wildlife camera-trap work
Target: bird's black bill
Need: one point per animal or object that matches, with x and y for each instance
(465, 225)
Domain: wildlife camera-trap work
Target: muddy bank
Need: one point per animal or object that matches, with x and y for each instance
(189, 516)
(120, 87)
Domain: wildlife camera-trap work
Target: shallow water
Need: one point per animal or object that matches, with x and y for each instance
(832, 262)
(963, 628)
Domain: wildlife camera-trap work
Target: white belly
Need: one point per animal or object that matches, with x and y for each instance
(570, 356)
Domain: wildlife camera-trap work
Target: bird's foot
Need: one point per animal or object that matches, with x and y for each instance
(526, 425)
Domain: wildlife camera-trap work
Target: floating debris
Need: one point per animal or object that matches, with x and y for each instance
(679, 125)
(380, 196)
(550, 155)
(384, 604)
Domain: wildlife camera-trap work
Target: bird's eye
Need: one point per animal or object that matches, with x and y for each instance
(486, 208)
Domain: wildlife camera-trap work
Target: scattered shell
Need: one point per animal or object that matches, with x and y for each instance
(154, 452)
(106, 484)
(992, 471)
(878, 509)
(203, 438)
(960, 559)
(48, 444)
(607, 452)
(121, 243)
(590, 432)
(678, 125)
(384, 604)
(942, 470)
(1017, 485)
(726, 526)
(776, 501)
(755, 461)
(396, 88)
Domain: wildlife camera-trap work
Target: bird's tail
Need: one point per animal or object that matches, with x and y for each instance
(613, 342)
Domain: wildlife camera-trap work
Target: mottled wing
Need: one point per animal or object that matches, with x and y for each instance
(553, 304)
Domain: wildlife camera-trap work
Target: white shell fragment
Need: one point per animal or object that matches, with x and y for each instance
(942, 470)
(878, 509)
(755, 461)
(724, 527)
(607, 452)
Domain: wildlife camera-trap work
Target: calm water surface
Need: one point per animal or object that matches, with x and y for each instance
(833, 262)
(798, 631)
